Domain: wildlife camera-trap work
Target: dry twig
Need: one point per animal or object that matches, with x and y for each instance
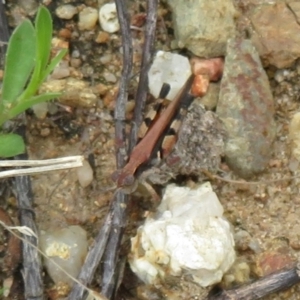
(142, 89)
(273, 283)
(120, 199)
(39, 166)
(119, 205)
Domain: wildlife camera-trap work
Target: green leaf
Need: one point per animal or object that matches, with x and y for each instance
(43, 27)
(19, 62)
(11, 145)
(30, 102)
(54, 62)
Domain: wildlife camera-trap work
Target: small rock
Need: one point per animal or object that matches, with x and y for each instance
(271, 261)
(242, 239)
(200, 146)
(108, 18)
(40, 110)
(203, 26)
(61, 71)
(68, 248)
(102, 37)
(30, 7)
(170, 68)
(188, 234)
(109, 77)
(210, 100)
(76, 93)
(64, 33)
(45, 132)
(277, 45)
(88, 18)
(239, 273)
(106, 58)
(246, 107)
(66, 11)
(85, 174)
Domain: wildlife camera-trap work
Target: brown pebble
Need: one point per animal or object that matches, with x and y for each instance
(272, 261)
(200, 85)
(102, 37)
(138, 20)
(45, 132)
(65, 33)
(110, 97)
(75, 62)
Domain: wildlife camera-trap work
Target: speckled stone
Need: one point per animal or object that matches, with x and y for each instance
(203, 26)
(199, 147)
(246, 107)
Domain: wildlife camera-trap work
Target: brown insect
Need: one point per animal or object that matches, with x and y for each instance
(161, 124)
(153, 127)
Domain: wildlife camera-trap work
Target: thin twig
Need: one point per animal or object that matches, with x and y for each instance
(4, 32)
(92, 260)
(148, 49)
(32, 268)
(119, 205)
(273, 283)
(40, 162)
(120, 199)
(216, 177)
(36, 170)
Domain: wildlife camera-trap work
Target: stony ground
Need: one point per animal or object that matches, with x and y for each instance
(264, 213)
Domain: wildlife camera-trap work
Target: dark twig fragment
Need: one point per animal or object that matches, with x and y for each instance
(142, 89)
(4, 32)
(92, 260)
(120, 199)
(32, 268)
(270, 284)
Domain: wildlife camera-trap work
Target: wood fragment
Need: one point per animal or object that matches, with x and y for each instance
(92, 260)
(32, 268)
(148, 51)
(270, 284)
(120, 200)
(41, 166)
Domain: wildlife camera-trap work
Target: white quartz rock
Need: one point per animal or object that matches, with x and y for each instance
(68, 248)
(108, 18)
(169, 68)
(85, 174)
(88, 18)
(188, 234)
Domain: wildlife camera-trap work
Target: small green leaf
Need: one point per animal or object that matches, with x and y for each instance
(43, 27)
(54, 62)
(11, 145)
(30, 102)
(19, 61)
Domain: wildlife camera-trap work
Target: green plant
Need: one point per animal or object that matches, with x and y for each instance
(26, 67)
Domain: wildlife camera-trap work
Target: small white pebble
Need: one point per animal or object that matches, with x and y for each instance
(279, 77)
(66, 12)
(88, 18)
(170, 68)
(40, 110)
(109, 77)
(106, 58)
(85, 174)
(108, 18)
(61, 71)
